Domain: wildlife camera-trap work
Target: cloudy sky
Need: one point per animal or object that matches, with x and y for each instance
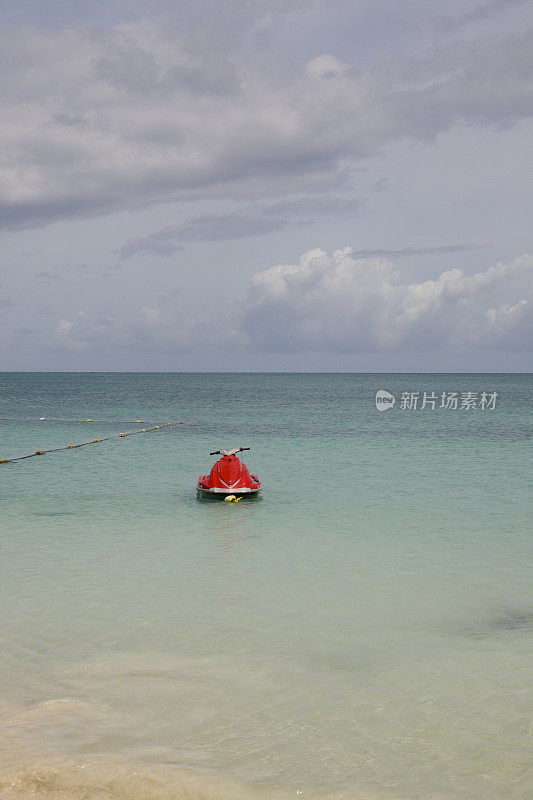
(266, 185)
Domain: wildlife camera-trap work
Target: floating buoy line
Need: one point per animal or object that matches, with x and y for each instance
(83, 444)
(69, 419)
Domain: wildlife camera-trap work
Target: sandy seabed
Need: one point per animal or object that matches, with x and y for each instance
(105, 780)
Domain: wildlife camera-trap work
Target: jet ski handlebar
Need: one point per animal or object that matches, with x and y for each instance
(228, 452)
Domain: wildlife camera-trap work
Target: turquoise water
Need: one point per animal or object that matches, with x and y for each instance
(362, 631)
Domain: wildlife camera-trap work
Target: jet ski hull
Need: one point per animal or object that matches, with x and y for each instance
(229, 476)
(222, 493)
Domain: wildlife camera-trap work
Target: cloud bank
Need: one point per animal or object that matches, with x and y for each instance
(336, 303)
(341, 303)
(97, 121)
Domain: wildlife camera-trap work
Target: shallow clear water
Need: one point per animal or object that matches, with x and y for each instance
(363, 631)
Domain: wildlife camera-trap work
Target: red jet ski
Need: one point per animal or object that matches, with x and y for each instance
(229, 476)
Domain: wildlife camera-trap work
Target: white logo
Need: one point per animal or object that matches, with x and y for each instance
(384, 400)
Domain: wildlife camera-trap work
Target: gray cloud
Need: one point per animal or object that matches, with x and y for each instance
(381, 185)
(162, 243)
(312, 208)
(479, 13)
(488, 83)
(208, 227)
(239, 224)
(233, 225)
(45, 309)
(46, 276)
(134, 116)
(76, 270)
(415, 251)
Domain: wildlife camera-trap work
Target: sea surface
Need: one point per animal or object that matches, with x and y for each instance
(363, 631)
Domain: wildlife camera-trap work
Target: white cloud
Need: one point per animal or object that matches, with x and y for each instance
(511, 324)
(341, 303)
(336, 303)
(171, 325)
(325, 66)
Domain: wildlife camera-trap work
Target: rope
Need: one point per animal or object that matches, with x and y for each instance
(68, 419)
(84, 444)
